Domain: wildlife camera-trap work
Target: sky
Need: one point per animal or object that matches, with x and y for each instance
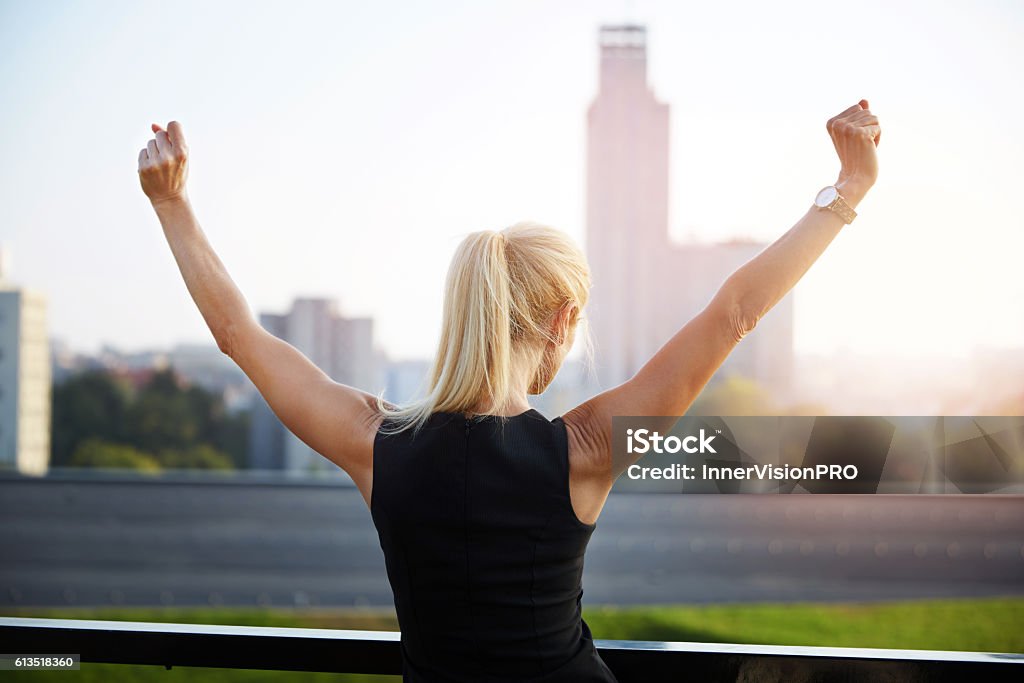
(342, 149)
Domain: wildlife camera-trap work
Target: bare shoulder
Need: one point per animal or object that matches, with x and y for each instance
(336, 420)
(365, 429)
(590, 459)
(370, 418)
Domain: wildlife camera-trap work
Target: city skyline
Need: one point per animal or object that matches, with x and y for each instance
(927, 270)
(646, 287)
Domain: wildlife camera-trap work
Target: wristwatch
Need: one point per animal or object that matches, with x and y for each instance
(829, 198)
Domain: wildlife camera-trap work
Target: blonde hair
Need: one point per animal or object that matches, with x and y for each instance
(502, 290)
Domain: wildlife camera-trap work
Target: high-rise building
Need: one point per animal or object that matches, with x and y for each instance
(691, 274)
(341, 347)
(25, 384)
(627, 202)
(645, 285)
(407, 380)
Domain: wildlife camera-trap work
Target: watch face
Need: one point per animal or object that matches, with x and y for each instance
(826, 196)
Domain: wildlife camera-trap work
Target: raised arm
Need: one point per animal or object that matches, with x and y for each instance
(670, 381)
(334, 419)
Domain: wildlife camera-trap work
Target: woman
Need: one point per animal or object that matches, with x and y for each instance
(483, 506)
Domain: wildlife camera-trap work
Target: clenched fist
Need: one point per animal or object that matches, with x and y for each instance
(855, 134)
(163, 164)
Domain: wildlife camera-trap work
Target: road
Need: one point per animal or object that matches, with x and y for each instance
(125, 542)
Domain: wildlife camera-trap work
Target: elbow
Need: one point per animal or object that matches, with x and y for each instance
(227, 340)
(738, 316)
(742, 321)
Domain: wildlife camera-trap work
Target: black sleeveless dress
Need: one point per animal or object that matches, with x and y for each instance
(484, 552)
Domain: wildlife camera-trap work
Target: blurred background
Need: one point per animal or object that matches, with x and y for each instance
(341, 150)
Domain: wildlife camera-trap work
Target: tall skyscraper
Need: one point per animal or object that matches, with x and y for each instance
(645, 286)
(341, 347)
(25, 379)
(627, 202)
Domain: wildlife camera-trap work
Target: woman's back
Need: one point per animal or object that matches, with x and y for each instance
(483, 550)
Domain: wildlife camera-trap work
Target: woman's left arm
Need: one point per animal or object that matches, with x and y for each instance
(336, 420)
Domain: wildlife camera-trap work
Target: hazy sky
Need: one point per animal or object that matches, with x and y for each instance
(343, 149)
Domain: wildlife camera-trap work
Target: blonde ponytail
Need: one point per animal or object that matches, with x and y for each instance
(501, 290)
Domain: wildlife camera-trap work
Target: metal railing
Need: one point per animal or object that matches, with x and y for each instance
(377, 652)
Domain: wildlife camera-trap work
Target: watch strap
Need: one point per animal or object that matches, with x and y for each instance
(844, 210)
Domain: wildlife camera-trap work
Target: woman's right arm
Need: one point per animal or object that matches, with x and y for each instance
(670, 381)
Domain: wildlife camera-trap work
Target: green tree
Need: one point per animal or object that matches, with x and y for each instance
(95, 452)
(161, 415)
(91, 403)
(232, 438)
(185, 426)
(201, 456)
(227, 433)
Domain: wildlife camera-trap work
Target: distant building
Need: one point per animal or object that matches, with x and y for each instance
(114, 358)
(25, 381)
(341, 347)
(66, 362)
(691, 275)
(407, 380)
(202, 365)
(646, 287)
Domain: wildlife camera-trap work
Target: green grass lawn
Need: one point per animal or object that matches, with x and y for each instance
(987, 625)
